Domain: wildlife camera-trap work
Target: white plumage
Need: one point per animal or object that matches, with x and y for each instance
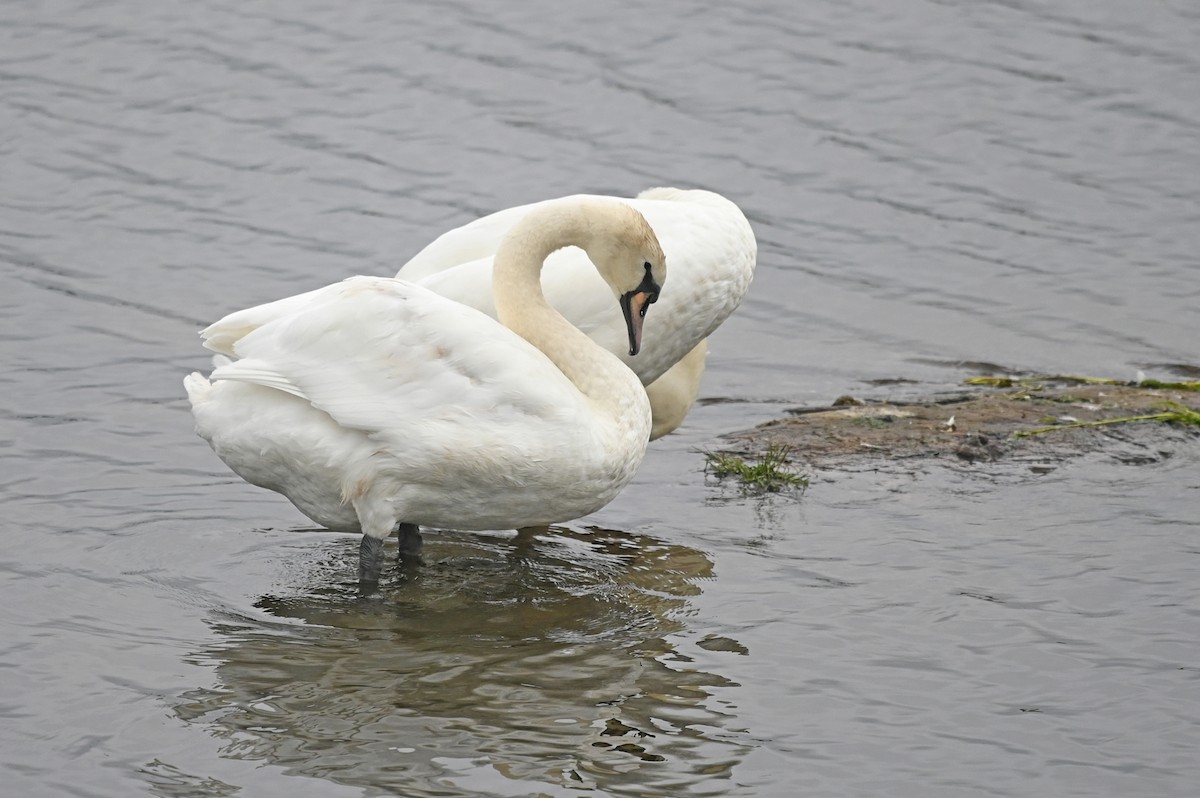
(708, 243)
(375, 402)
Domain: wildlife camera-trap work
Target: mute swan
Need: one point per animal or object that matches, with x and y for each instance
(712, 252)
(377, 405)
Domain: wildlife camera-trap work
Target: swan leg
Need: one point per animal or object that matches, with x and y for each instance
(370, 560)
(411, 542)
(525, 543)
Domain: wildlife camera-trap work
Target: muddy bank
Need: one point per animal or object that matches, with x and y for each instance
(982, 425)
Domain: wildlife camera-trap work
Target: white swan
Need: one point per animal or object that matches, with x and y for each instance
(375, 404)
(712, 252)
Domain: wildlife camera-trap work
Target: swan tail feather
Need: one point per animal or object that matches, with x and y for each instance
(197, 387)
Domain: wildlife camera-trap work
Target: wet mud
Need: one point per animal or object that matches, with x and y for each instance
(984, 427)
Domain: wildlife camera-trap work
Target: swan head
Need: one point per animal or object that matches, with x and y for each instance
(634, 304)
(630, 260)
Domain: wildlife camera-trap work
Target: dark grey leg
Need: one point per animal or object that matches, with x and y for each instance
(409, 551)
(525, 543)
(370, 560)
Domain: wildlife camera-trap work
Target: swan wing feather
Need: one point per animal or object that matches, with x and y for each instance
(388, 357)
(223, 335)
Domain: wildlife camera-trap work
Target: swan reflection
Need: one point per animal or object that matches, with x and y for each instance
(503, 666)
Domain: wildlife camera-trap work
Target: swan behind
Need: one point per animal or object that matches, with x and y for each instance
(373, 402)
(706, 238)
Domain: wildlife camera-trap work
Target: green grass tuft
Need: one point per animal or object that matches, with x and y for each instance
(1009, 382)
(1178, 414)
(768, 475)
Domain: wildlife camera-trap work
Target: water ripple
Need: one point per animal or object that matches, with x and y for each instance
(936, 188)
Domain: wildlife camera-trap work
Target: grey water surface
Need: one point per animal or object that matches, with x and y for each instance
(936, 186)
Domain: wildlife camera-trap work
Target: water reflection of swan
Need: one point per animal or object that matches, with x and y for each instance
(502, 667)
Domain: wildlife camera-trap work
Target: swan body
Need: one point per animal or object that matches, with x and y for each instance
(374, 402)
(712, 252)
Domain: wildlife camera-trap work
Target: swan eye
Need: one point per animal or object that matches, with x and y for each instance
(649, 279)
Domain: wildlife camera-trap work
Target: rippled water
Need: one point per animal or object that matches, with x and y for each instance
(932, 184)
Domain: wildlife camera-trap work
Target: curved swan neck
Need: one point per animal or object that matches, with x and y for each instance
(522, 307)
